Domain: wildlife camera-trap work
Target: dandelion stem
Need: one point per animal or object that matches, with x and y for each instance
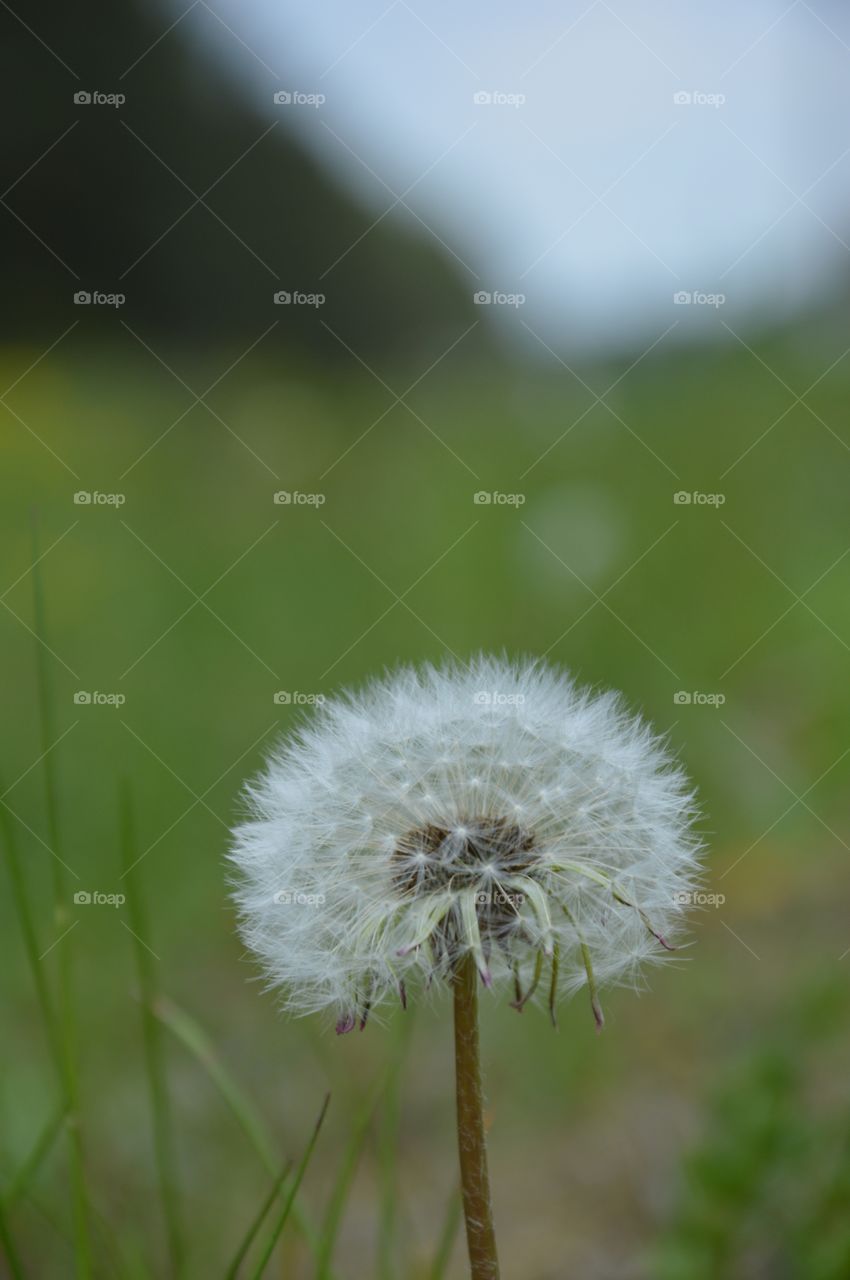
(475, 1182)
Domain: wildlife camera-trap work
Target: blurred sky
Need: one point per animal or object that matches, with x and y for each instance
(599, 196)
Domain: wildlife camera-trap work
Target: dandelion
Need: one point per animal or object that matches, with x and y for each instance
(489, 822)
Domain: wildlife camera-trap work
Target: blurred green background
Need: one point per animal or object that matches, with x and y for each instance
(705, 1132)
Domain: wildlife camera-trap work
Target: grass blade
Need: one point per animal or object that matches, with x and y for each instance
(251, 1233)
(388, 1151)
(293, 1191)
(15, 1268)
(164, 1154)
(30, 1167)
(31, 943)
(66, 1037)
(193, 1037)
(333, 1217)
(448, 1235)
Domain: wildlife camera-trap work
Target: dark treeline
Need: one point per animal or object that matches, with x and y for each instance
(91, 210)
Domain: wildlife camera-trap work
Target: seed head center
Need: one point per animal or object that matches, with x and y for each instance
(463, 855)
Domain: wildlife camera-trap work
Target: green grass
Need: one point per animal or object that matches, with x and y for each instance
(286, 1209)
(155, 1065)
(256, 1223)
(62, 1027)
(191, 1092)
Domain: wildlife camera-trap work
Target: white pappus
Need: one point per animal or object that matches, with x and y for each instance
(490, 808)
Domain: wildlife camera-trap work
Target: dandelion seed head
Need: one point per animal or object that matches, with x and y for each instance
(491, 808)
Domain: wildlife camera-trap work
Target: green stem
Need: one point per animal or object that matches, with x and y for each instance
(475, 1182)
